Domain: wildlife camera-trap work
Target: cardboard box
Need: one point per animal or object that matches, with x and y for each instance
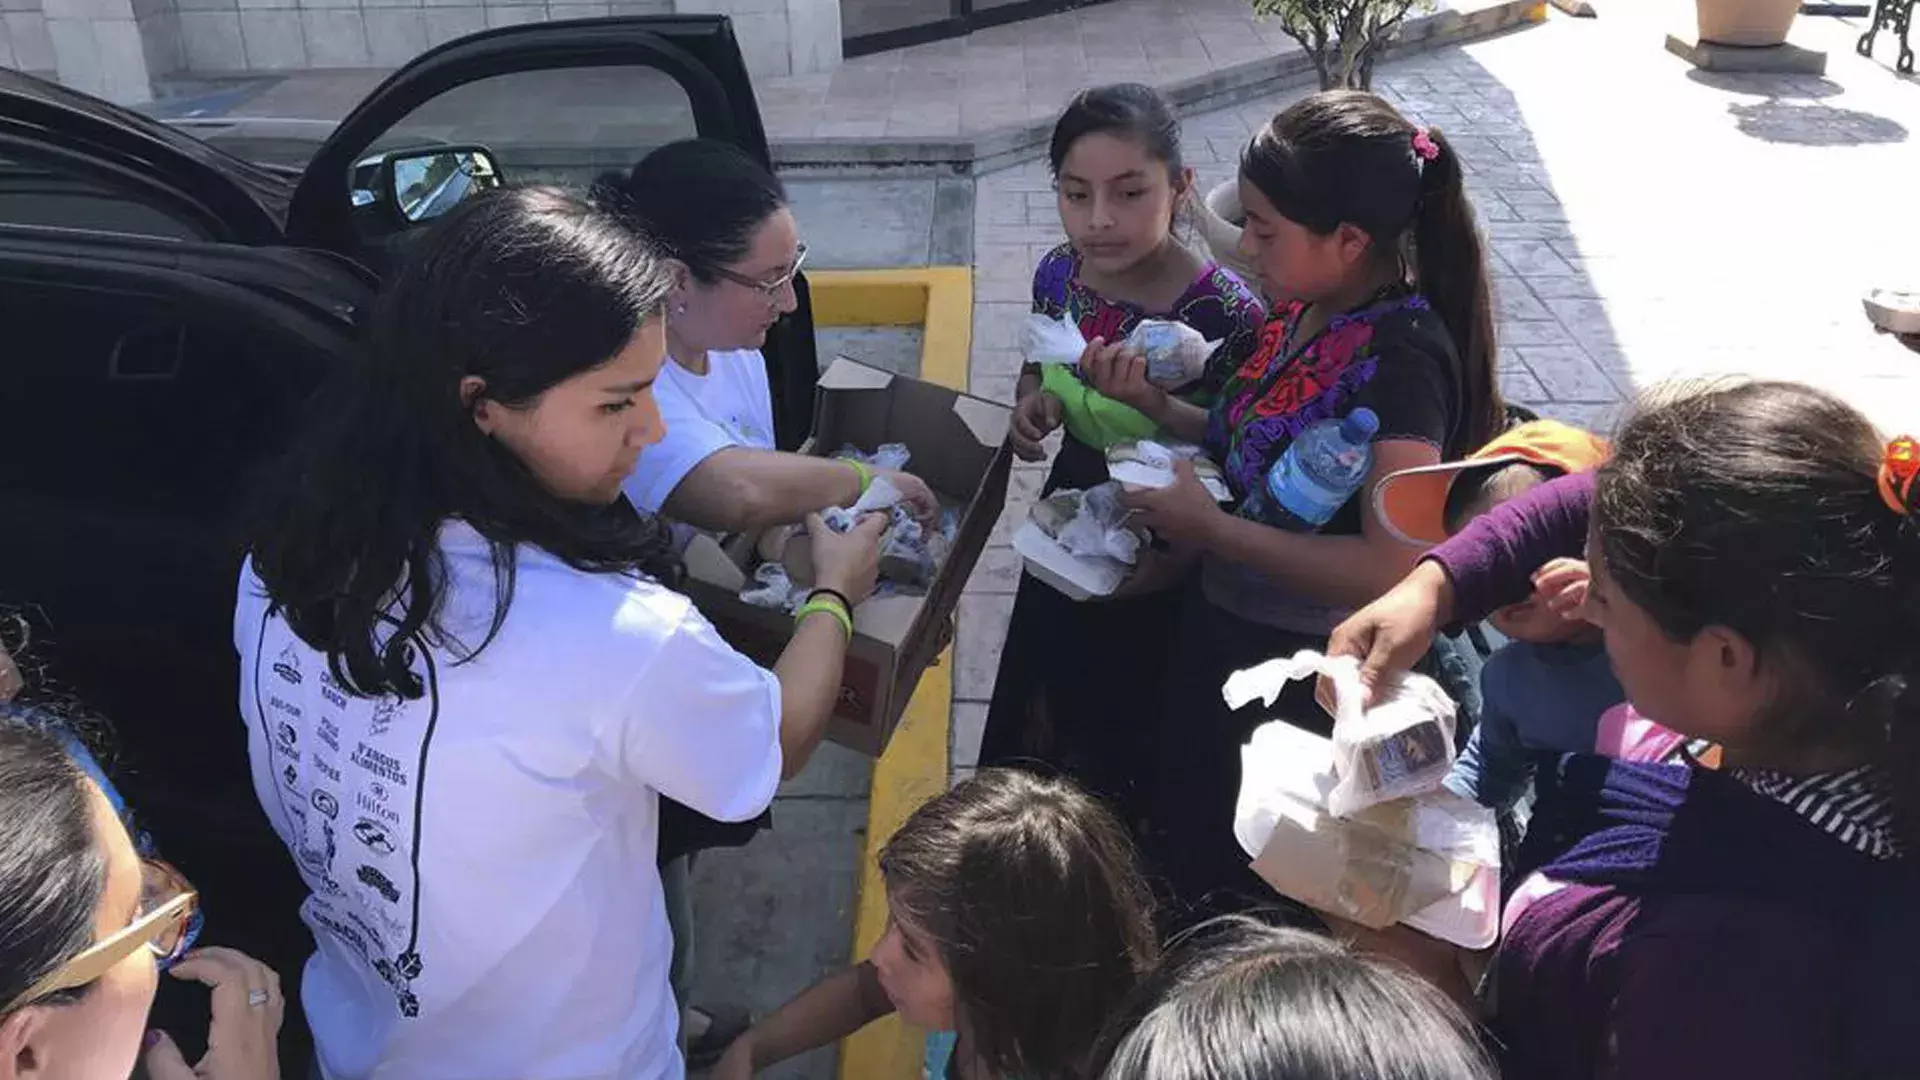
(959, 446)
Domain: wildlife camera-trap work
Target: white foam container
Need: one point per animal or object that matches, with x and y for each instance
(1079, 578)
(1894, 311)
(1301, 764)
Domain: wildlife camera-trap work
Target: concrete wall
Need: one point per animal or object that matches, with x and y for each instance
(228, 36)
(25, 44)
(98, 47)
(780, 37)
(116, 48)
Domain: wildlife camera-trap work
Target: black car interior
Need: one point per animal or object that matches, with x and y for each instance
(140, 415)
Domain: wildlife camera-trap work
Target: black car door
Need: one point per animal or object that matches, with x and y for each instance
(168, 311)
(564, 103)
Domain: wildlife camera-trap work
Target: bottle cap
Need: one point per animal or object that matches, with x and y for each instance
(1360, 426)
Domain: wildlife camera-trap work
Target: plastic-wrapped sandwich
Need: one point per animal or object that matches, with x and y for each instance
(1176, 354)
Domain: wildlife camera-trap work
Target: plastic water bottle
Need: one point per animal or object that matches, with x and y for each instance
(1320, 471)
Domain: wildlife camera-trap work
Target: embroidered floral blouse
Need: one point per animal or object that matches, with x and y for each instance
(1393, 356)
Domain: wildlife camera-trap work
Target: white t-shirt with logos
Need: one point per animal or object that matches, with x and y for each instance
(482, 859)
(731, 405)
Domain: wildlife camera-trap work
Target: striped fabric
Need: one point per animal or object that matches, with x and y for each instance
(1854, 806)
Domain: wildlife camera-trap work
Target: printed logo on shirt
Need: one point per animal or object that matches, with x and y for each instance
(374, 910)
(324, 801)
(288, 666)
(335, 694)
(374, 835)
(382, 718)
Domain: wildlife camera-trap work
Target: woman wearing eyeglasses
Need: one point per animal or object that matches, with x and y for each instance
(87, 924)
(724, 220)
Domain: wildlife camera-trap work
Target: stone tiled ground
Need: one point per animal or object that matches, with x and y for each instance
(1646, 223)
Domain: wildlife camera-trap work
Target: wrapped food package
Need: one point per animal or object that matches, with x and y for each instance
(910, 553)
(1400, 745)
(1176, 354)
(773, 588)
(1079, 541)
(1432, 861)
(1149, 463)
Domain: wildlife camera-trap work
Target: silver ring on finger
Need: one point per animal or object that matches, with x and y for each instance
(257, 999)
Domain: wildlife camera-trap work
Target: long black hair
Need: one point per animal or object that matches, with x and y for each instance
(1034, 896)
(700, 200)
(523, 288)
(1758, 507)
(1240, 1000)
(52, 870)
(1348, 156)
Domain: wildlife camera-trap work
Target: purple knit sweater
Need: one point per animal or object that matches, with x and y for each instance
(1705, 930)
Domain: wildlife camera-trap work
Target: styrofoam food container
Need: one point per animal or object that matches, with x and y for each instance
(1079, 578)
(1894, 311)
(1299, 764)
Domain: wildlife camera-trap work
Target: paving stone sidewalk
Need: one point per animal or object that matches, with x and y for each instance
(1646, 223)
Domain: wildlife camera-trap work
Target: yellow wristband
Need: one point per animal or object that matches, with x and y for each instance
(830, 606)
(860, 468)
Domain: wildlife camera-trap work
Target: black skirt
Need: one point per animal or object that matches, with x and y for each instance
(1077, 682)
(1194, 781)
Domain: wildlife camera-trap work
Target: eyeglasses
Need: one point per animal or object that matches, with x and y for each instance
(769, 289)
(166, 926)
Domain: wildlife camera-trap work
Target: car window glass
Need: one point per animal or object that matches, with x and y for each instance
(558, 125)
(43, 193)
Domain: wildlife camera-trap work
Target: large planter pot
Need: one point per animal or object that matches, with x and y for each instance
(1218, 218)
(1746, 22)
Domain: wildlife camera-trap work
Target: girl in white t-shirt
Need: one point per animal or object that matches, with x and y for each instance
(735, 253)
(466, 688)
(1017, 923)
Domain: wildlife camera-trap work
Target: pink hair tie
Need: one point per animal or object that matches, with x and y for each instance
(1424, 147)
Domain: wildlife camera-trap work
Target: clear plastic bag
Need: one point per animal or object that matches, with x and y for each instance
(1176, 354)
(1149, 463)
(1401, 745)
(1046, 340)
(772, 588)
(893, 456)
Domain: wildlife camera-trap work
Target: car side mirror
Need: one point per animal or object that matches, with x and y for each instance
(421, 185)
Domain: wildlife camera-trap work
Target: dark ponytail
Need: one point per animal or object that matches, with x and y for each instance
(700, 200)
(1348, 157)
(1757, 507)
(1450, 266)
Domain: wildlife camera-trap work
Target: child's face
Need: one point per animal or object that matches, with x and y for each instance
(914, 975)
(1296, 263)
(1116, 201)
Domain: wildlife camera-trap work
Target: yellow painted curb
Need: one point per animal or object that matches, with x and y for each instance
(913, 769)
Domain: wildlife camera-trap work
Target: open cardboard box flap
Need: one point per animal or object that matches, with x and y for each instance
(958, 443)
